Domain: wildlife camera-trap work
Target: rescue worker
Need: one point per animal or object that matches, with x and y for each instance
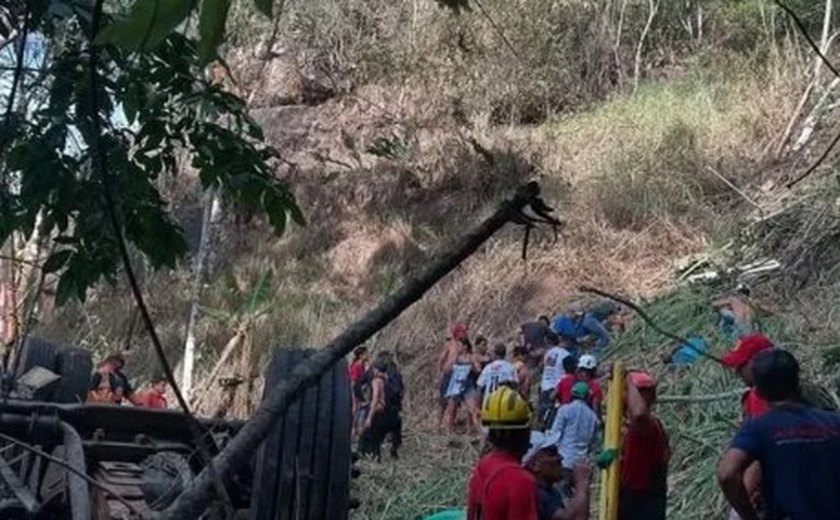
(645, 453)
(500, 488)
(797, 445)
(109, 385)
(154, 397)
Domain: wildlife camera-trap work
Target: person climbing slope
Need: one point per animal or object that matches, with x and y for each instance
(499, 372)
(575, 426)
(552, 372)
(578, 324)
(523, 371)
(797, 446)
(459, 385)
(457, 333)
(587, 371)
(499, 487)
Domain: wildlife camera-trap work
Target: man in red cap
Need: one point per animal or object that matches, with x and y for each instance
(740, 359)
(753, 405)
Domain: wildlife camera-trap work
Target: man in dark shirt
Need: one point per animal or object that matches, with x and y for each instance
(533, 336)
(798, 447)
(546, 463)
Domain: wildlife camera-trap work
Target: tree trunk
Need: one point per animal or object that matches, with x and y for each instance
(242, 400)
(209, 381)
(637, 67)
(211, 206)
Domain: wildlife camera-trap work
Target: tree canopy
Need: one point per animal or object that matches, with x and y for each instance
(107, 99)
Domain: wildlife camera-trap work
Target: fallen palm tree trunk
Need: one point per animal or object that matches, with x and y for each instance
(198, 495)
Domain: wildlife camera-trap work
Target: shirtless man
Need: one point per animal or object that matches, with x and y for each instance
(737, 313)
(457, 335)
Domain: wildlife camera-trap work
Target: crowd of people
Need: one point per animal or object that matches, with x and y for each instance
(543, 440)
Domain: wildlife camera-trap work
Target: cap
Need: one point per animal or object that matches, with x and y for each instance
(580, 390)
(641, 379)
(458, 330)
(746, 349)
(539, 442)
(588, 361)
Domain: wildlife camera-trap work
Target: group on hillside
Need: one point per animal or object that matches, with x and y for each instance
(780, 464)
(109, 385)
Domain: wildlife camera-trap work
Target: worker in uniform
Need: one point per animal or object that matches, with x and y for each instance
(500, 488)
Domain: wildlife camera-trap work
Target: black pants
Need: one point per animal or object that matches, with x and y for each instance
(633, 505)
(382, 424)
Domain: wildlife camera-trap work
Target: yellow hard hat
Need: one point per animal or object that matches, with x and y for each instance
(505, 409)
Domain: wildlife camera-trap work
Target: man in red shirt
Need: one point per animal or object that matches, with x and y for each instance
(740, 360)
(155, 397)
(753, 405)
(585, 371)
(645, 453)
(500, 488)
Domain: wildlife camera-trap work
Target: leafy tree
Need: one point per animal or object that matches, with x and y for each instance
(117, 102)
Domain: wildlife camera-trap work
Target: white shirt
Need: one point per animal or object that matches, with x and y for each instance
(553, 368)
(576, 424)
(495, 374)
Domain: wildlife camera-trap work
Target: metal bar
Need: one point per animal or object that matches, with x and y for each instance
(79, 491)
(21, 491)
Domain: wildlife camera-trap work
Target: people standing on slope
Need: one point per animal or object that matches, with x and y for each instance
(385, 417)
(796, 445)
(457, 333)
(586, 371)
(459, 387)
(523, 371)
(575, 426)
(499, 372)
(551, 373)
(532, 336)
(360, 403)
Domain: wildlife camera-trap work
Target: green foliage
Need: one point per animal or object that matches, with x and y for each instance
(151, 109)
(248, 304)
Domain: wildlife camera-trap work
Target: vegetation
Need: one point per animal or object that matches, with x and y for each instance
(664, 131)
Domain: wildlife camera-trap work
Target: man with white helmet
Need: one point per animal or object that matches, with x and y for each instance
(587, 371)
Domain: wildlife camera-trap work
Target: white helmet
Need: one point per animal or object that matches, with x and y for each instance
(588, 362)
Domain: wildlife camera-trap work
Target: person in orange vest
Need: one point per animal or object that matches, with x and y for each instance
(109, 385)
(154, 397)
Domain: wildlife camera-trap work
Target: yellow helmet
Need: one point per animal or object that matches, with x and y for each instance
(505, 409)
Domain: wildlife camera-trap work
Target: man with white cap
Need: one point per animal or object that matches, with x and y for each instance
(546, 464)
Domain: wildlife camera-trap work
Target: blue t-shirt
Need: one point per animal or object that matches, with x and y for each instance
(549, 500)
(565, 326)
(799, 451)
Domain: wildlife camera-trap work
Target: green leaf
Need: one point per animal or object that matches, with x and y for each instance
(217, 314)
(211, 27)
(66, 289)
(148, 23)
(260, 293)
(264, 6)
(56, 261)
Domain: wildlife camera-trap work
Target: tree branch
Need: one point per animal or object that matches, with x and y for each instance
(802, 29)
(642, 314)
(101, 170)
(194, 499)
(817, 163)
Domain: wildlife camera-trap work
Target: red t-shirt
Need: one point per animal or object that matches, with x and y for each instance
(753, 404)
(357, 370)
(644, 456)
(501, 489)
(564, 390)
(152, 399)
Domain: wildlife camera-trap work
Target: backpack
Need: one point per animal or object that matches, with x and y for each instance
(394, 389)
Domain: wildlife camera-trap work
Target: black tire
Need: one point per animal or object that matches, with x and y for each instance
(302, 469)
(75, 366)
(37, 353)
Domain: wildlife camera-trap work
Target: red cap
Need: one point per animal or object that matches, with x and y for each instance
(458, 330)
(641, 379)
(746, 349)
